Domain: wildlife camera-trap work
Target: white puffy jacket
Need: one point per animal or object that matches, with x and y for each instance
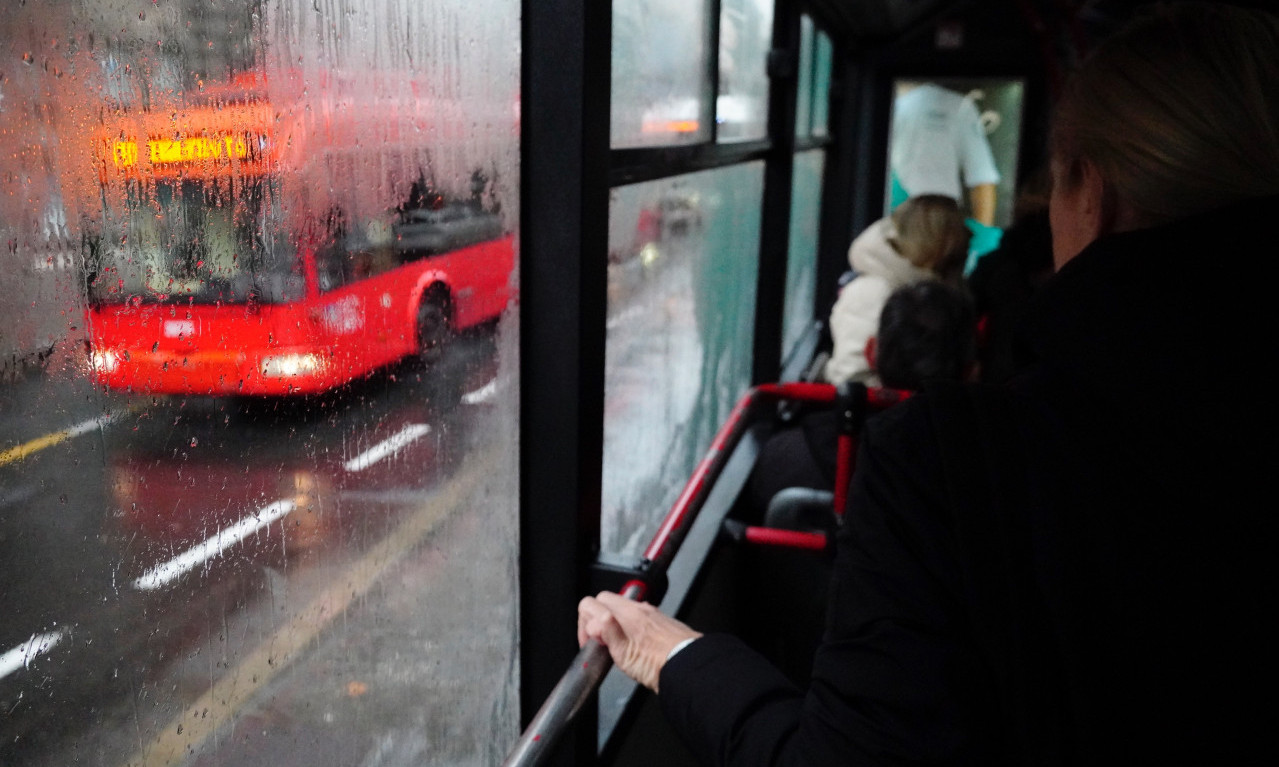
(855, 316)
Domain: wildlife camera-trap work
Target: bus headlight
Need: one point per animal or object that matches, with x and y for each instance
(105, 360)
(288, 365)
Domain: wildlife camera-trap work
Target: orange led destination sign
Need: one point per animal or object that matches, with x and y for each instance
(163, 152)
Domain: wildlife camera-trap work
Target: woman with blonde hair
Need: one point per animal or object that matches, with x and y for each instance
(1075, 569)
(923, 239)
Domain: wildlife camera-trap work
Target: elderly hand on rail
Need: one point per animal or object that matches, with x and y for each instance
(638, 636)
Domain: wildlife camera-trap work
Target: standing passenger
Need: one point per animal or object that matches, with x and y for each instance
(939, 146)
(1077, 570)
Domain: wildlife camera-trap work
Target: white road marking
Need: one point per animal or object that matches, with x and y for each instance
(22, 655)
(387, 447)
(93, 423)
(482, 394)
(167, 572)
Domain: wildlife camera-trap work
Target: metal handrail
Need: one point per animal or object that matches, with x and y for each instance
(592, 662)
(577, 685)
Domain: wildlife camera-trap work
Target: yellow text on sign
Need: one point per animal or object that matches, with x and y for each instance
(125, 153)
(191, 149)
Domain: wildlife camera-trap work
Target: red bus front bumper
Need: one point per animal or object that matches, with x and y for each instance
(214, 372)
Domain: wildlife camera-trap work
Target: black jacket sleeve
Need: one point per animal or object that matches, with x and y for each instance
(894, 681)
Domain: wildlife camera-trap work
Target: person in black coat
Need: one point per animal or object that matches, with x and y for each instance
(1076, 568)
(1007, 279)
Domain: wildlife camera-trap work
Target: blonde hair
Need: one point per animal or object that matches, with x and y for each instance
(1179, 111)
(931, 233)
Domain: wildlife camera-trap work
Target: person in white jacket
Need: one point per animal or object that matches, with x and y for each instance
(924, 239)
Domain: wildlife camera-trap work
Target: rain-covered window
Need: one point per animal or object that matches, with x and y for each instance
(804, 90)
(258, 488)
(745, 37)
(683, 263)
(812, 108)
(801, 255)
(822, 59)
(662, 91)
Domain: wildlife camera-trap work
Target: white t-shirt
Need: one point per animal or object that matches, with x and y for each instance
(937, 137)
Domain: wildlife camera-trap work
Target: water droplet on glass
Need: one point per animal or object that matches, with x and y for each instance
(194, 441)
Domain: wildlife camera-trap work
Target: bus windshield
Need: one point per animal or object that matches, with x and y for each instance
(206, 241)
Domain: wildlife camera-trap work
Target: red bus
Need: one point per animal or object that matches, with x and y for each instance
(214, 274)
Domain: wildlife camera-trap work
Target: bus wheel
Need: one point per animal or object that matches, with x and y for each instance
(433, 329)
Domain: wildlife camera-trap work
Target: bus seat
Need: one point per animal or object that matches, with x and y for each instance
(815, 512)
(801, 508)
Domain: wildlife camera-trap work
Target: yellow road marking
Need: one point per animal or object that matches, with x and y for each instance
(49, 440)
(40, 443)
(186, 733)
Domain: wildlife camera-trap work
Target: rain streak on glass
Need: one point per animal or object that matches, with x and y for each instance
(258, 381)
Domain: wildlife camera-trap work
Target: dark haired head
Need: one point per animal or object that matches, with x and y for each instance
(927, 332)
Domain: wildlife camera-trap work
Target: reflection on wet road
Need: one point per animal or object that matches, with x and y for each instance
(165, 563)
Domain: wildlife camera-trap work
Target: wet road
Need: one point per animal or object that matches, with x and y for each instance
(210, 582)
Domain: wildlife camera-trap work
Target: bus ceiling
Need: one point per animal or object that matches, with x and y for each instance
(876, 22)
(878, 19)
